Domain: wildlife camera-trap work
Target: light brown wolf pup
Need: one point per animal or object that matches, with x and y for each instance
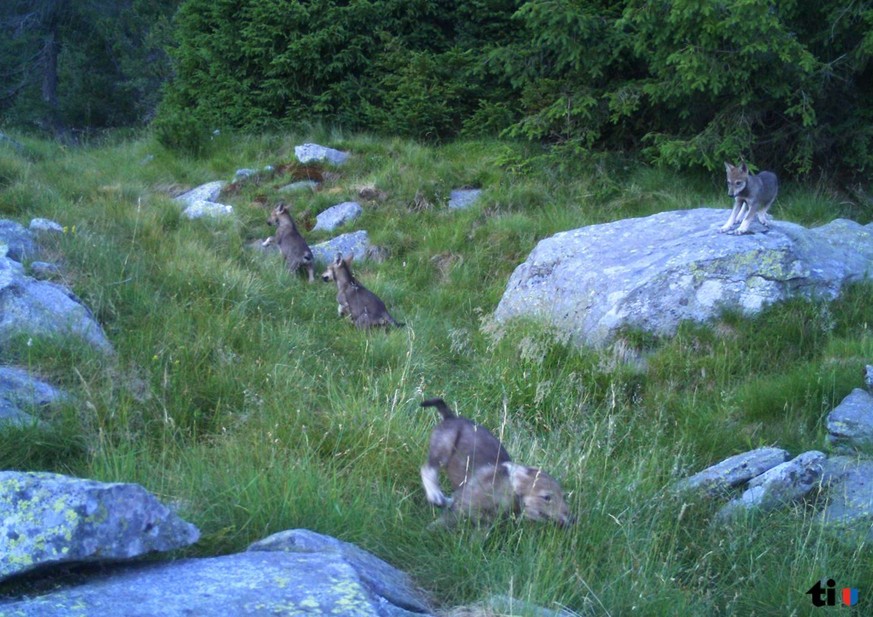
(485, 482)
(297, 254)
(362, 306)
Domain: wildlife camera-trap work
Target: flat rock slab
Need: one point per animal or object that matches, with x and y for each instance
(733, 471)
(337, 215)
(253, 583)
(355, 243)
(850, 424)
(460, 199)
(207, 209)
(655, 272)
(48, 519)
(310, 153)
(300, 185)
(779, 486)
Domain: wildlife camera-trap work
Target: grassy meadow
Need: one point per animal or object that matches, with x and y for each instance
(239, 396)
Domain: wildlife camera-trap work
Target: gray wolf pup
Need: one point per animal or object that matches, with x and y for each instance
(753, 194)
(363, 307)
(485, 481)
(292, 245)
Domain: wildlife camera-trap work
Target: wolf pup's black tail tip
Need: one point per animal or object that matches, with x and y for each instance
(441, 406)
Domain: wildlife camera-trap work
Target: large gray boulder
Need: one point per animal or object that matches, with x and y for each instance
(734, 471)
(779, 486)
(337, 215)
(380, 578)
(320, 581)
(16, 242)
(21, 392)
(850, 424)
(205, 192)
(312, 153)
(849, 507)
(44, 308)
(653, 273)
(355, 243)
(49, 519)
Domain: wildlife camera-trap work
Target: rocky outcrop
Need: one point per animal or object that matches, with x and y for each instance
(337, 215)
(297, 573)
(653, 273)
(842, 485)
(200, 202)
(49, 519)
(786, 483)
(21, 393)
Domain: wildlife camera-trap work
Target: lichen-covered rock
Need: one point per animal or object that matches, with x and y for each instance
(779, 486)
(205, 192)
(461, 199)
(653, 273)
(48, 519)
(337, 215)
(380, 578)
(355, 243)
(253, 583)
(733, 471)
(850, 424)
(310, 153)
(21, 392)
(849, 507)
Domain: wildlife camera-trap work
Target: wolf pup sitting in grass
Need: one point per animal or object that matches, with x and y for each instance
(753, 194)
(363, 307)
(292, 245)
(485, 481)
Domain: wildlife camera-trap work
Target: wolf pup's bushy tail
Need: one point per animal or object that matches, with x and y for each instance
(441, 406)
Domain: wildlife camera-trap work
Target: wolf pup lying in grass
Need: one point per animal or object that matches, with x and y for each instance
(292, 245)
(363, 307)
(485, 481)
(753, 195)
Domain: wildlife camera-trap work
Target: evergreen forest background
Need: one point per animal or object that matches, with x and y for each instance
(784, 84)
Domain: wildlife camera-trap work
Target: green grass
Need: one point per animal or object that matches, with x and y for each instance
(238, 395)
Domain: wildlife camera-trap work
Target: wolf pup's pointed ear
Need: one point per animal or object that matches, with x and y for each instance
(349, 258)
(727, 166)
(743, 168)
(339, 258)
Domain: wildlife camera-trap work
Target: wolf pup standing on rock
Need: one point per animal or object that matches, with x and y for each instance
(292, 245)
(363, 307)
(485, 481)
(753, 194)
